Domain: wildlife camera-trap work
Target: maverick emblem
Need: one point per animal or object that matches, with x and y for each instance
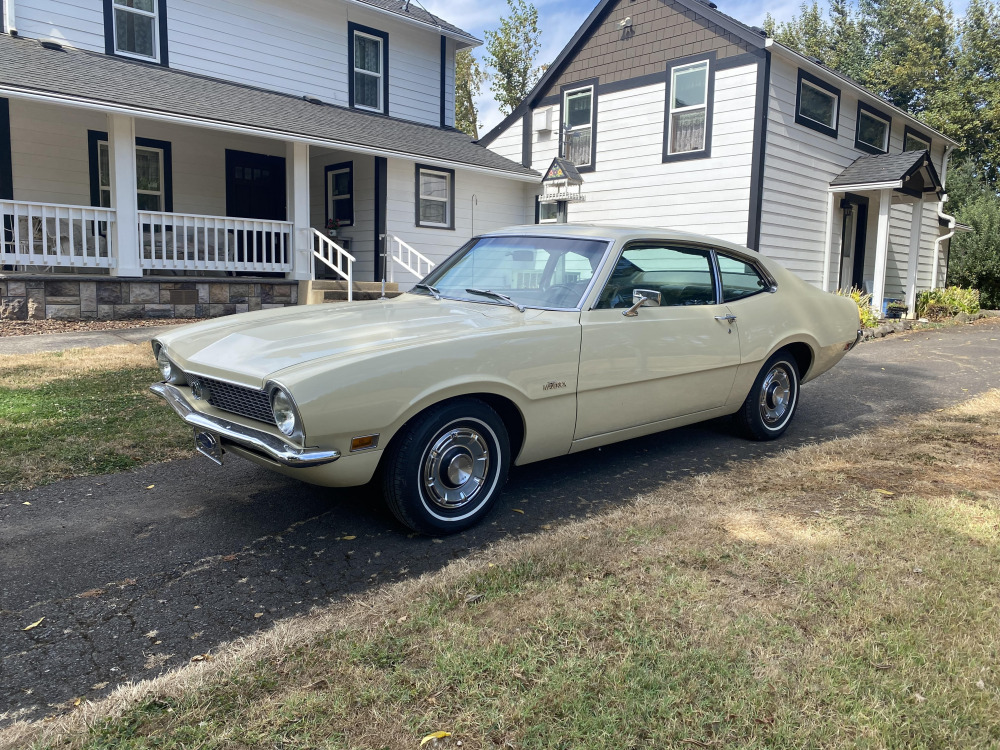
(553, 385)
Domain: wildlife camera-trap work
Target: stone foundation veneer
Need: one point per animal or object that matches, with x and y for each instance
(38, 297)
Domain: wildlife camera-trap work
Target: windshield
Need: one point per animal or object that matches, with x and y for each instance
(548, 272)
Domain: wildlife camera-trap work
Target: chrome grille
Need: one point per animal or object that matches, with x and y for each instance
(238, 399)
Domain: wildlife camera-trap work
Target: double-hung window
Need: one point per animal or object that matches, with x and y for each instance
(152, 167)
(369, 62)
(873, 130)
(134, 28)
(688, 115)
(578, 126)
(435, 197)
(817, 104)
(340, 193)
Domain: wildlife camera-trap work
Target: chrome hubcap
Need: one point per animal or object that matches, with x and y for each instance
(455, 468)
(775, 396)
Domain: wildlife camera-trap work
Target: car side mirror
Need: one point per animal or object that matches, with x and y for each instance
(642, 298)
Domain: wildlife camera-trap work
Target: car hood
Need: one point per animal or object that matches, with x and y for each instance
(251, 347)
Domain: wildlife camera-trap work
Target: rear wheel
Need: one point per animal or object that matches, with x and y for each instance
(771, 403)
(445, 472)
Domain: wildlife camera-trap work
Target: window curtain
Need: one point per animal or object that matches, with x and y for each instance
(688, 132)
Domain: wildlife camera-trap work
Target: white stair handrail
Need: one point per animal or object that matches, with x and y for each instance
(334, 256)
(415, 262)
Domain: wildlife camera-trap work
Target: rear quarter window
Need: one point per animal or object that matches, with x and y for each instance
(739, 279)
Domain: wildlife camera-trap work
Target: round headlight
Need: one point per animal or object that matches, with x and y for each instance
(284, 412)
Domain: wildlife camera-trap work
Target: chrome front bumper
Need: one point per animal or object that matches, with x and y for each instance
(857, 340)
(255, 440)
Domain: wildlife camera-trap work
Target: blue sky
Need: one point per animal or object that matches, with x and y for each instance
(559, 20)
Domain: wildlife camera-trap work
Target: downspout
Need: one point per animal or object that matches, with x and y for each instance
(942, 215)
(9, 24)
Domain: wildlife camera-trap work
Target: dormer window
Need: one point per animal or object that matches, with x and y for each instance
(369, 69)
(137, 29)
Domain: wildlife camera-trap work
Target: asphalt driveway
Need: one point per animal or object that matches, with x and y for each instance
(139, 572)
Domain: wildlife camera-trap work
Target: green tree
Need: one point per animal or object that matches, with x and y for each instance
(469, 79)
(511, 50)
(975, 256)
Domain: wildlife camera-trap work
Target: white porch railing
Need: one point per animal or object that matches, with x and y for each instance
(190, 242)
(335, 257)
(43, 235)
(410, 259)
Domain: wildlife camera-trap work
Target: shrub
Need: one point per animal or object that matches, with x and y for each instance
(975, 256)
(864, 302)
(943, 303)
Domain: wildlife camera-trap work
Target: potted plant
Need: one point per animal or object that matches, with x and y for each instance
(895, 309)
(332, 225)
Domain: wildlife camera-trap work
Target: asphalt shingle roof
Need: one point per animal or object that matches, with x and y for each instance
(872, 170)
(25, 64)
(412, 9)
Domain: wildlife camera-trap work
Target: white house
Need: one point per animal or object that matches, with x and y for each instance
(183, 142)
(677, 115)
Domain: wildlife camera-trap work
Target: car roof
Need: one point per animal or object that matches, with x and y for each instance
(619, 234)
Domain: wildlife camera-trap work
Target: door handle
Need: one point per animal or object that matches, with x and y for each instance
(728, 318)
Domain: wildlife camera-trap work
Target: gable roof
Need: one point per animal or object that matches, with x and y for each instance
(414, 11)
(891, 171)
(563, 170)
(704, 9)
(99, 81)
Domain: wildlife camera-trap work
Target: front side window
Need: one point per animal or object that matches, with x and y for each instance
(739, 279)
(682, 275)
(135, 24)
(913, 141)
(152, 172)
(688, 116)
(578, 126)
(340, 194)
(540, 272)
(873, 130)
(818, 104)
(435, 198)
(149, 178)
(368, 72)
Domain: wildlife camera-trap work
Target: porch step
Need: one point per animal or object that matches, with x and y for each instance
(340, 295)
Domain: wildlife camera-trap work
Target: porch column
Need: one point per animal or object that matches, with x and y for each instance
(881, 249)
(124, 187)
(297, 180)
(831, 207)
(913, 262)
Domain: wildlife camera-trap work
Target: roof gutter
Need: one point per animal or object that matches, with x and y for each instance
(866, 186)
(471, 41)
(804, 62)
(199, 122)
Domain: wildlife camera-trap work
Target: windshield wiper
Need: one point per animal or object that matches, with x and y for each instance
(432, 289)
(497, 296)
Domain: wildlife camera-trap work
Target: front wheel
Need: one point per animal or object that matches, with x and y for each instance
(771, 403)
(445, 471)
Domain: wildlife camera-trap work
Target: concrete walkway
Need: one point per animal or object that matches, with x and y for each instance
(54, 342)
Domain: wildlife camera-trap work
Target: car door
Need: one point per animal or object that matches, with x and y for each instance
(759, 321)
(672, 360)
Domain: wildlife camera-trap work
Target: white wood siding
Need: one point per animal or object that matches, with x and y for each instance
(298, 47)
(632, 186)
(449, 84)
(798, 167)
(508, 143)
(501, 203)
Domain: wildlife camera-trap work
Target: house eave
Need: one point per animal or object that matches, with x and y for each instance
(862, 187)
(14, 92)
(867, 96)
(467, 39)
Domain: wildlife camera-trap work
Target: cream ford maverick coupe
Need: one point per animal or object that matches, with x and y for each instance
(528, 343)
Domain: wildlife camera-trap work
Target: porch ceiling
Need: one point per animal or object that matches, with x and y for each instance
(76, 77)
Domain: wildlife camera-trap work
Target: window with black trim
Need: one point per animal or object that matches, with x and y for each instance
(817, 104)
(136, 29)
(368, 68)
(340, 193)
(687, 108)
(578, 126)
(552, 212)
(872, 134)
(154, 173)
(915, 141)
(739, 279)
(435, 191)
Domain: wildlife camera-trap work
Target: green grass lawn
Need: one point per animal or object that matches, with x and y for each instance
(842, 595)
(82, 412)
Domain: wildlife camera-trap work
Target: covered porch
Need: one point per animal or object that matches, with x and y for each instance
(885, 210)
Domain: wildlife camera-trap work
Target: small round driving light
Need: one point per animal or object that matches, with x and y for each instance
(284, 412)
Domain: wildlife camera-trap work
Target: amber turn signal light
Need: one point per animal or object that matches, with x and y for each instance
(364, 443)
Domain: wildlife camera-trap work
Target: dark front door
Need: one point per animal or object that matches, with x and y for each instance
(255, 186)
(860, 235)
